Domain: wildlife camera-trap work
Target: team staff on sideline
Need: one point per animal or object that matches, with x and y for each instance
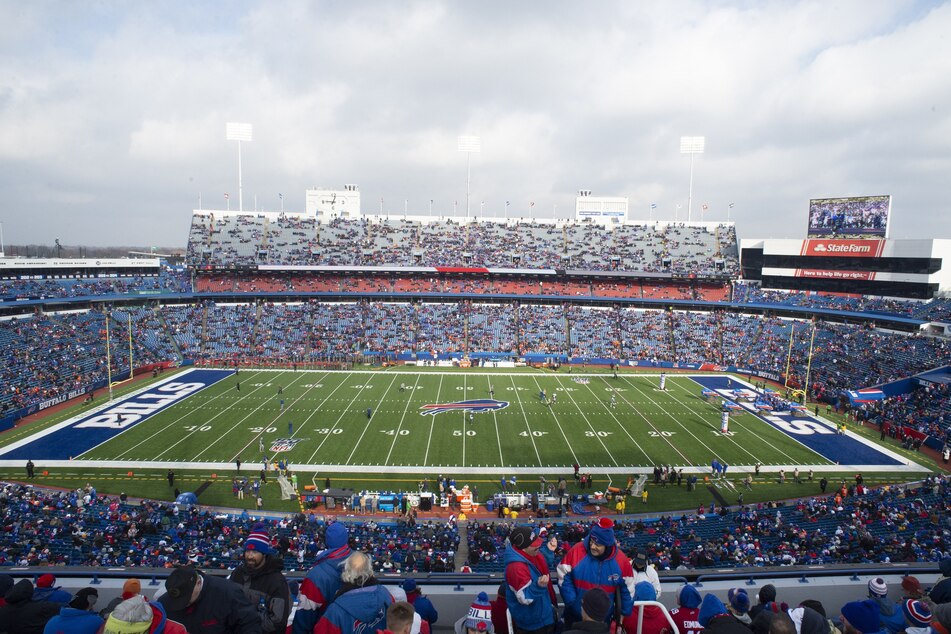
(528, 591)
(322, 582)
(596, 562)
(261, 577)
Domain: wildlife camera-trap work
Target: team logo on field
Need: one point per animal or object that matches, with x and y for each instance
(478, 405)
(284, 444)
(583, 380)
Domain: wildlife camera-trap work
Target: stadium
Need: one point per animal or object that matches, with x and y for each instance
(329, 364)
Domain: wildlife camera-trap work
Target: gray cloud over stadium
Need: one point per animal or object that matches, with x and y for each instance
(112, 114)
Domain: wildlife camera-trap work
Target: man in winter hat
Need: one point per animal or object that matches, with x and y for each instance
(892, 618)
(323, 580)
(421, 603)
(77, 617)
(529, 593)
(716, 619)
(596, 562)
(861, 617)
(917, 615)
(739, 605)
(136, 615)
(261, 577)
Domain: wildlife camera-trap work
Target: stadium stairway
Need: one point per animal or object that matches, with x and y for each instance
(462, 550)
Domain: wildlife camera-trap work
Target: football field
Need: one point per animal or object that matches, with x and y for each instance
(474, 421)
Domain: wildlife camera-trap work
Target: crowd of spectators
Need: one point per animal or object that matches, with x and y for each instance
(249, 239)
(167, 281)
(85, 528)
(852, 525)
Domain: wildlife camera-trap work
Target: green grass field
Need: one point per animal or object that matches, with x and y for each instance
(328, 411)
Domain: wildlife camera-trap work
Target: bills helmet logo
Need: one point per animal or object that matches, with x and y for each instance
(478, 405)
(284, 444)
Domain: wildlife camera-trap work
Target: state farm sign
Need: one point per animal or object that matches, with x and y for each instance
(843, 248)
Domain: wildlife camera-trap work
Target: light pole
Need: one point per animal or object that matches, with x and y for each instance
(1, 240)
(469, 144)
(238, 132)
(691, 145)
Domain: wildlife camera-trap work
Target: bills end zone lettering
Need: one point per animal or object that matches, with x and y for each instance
(79, 434)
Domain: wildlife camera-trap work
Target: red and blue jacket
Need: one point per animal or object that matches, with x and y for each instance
(361, 611)
(319, 588)
(529, 603)
(580, 572)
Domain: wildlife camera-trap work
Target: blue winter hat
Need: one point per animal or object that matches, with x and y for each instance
(409, 585)
(259, 540)
(644, 591)
(863, 615)
(603, 532)
(336, 535)
(739, 600)
(711, 607)
(689, 596)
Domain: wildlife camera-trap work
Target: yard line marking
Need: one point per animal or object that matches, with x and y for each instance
(400, 426)
(617, 421)
(370, 420)
(221, 413)
(649, 422)
(339, 418)
(495, 419)
(590, 426)
(432, 423)
(527, 426)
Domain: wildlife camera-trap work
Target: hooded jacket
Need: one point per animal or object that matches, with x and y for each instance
(892, 618)
(686, 617)
(580, 572)
(356, 609)
(266, 588)
(73, 621)
(22, 615)
(319, 588)
(56, 595)
(529, 603)
(715, 618)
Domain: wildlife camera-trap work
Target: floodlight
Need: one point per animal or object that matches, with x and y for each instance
(469, 144)
(691, 145)
(238, 132)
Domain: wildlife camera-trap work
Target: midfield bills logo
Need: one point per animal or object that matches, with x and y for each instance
(478, 405)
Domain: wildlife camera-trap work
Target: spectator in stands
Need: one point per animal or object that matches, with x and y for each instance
(911, 587)
(22, 613)
(500, 621)
(596, 562)
(47, 590)
(208, 604)
(360, 599)
(917, 615)
(136, 615)
(6, 582)
(130, 588)
(645, 571)
(861, 617)
(421, 604)
(807, 620)
(653, 621)
(739, 605)
(400, 618)
(529, 594)
(766, 595)
(891, 616)
(686, 615)
(595, 613)
(322, 582)
(478, 620)
(78, 617)
(261, 577)
(716, 619)
(941, 592)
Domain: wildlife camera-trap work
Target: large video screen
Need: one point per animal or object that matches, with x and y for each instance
(856, 217)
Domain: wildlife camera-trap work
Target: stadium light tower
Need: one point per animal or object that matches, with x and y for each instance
(238, 132)
(469, 144)
(691, 145)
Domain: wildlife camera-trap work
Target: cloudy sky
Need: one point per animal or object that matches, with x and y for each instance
(112, 114)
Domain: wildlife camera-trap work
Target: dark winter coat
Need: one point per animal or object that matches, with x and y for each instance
(22, 615)
(725, 624)
(221, 608)
(266, 586)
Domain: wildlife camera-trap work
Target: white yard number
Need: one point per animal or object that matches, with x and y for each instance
(197, 428)
(600, 434)
(465, 387)
(261, 430)
(470, 432)
(362, 387)
(313, 385)
(663, 434)
(537, 434)
(324, 430)
(393, 432)
(260, 384)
